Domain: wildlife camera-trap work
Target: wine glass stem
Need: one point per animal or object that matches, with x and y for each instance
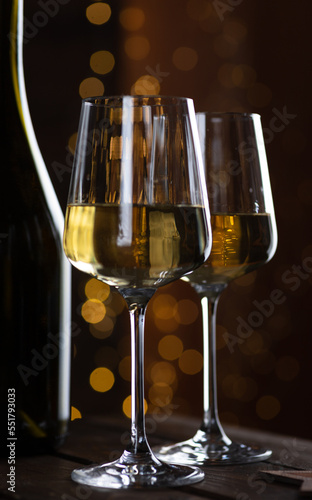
(210, 423)
(138, 435)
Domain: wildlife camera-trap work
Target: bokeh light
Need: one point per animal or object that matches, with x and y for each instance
(132, 18)
(160, 394)
(268, 407)
(102, 379)
(102, 62)
(103, 328)
(186, 312)
(98, 13)
(170, 347)
(164, 372)
(91, 87)
(191, 362)
(126, 406)
(146, 84)
(137, 47)
(93, 311)
(96, 289)
(75, 413)
(185, 58)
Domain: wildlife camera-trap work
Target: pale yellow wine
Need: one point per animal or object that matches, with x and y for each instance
(135, 246)
(240, 243)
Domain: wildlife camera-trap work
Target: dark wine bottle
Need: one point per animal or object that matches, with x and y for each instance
(35, 279)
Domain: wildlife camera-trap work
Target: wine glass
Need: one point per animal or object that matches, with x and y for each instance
(137, 218)
(244, 238)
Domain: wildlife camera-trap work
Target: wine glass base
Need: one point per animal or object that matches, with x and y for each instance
(144, 472)
(192, 452)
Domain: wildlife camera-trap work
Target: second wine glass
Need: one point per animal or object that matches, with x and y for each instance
(244, 238)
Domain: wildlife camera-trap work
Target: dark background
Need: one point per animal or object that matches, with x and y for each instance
(245, 56)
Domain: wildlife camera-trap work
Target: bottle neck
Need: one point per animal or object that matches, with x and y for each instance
(14, 109)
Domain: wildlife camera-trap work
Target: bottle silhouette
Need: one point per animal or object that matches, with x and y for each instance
(35, 279)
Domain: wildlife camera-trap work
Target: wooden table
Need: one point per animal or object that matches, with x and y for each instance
(102, 439)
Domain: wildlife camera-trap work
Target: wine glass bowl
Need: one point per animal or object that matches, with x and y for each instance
(244, 237)
(137, 218)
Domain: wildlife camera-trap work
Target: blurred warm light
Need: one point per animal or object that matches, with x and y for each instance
(210, 24)
(102, 62)
(91, 87)
(75, 413)
(245, 283)
(243, 76)
(115, 303)
(185, 58)
(287, 368)
(225, 75)
(72, 142)
(102, 379)
(259, 95)
(107, 356)
(132, 18)
(96, 289)
(186, 311)
(137, 47)
(93, 311)
(225, 46)
(166, 325)
(267, 407)
(170, 347)
(199, 9)
(160, 394)
(235, 29)
(146, 84)
(253, 344)
(126, 406)
(163, 306)
(191, 362)
(164, 372)
(103, 328)
(98, 13)
(124, 368)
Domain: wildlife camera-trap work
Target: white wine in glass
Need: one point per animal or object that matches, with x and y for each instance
(137, 218)
(244, 237)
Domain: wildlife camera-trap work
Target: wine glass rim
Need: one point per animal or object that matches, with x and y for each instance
(228, 113)
(137, 100)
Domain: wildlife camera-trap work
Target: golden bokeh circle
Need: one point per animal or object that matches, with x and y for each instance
(98, 13)
(185, 58)
(102, 379)
(93, 311)
(102, 62)
(170, 347)
(191, 362)
(91, 87)
(137, 47)
(132, 18)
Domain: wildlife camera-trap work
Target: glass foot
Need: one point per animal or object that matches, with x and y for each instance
(133, 471)
(203, 450)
